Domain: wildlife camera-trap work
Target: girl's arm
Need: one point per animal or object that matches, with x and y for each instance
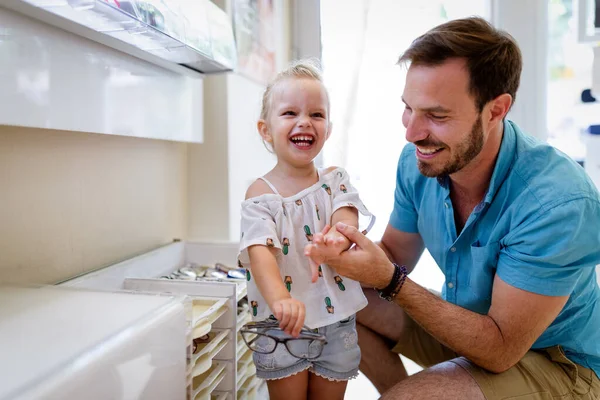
(289, 312)
(347, 215)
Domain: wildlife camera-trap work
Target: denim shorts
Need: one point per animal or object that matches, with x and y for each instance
(338, 361)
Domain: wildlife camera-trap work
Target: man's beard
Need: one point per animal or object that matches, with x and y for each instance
(462, 154)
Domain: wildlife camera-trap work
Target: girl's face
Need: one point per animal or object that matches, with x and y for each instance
(297, 124)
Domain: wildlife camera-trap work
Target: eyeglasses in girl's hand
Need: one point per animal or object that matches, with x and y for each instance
(264, 336)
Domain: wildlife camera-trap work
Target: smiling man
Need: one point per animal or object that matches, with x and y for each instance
(513, 224)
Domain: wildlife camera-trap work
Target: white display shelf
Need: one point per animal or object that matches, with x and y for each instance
(62, 343)
(216, 395)
(106, 23)
(243, 320)
(217, 340)
(75, 84)
(219, 298)
(205, 311)
(223, 316)
(209, 380)
(207, 358)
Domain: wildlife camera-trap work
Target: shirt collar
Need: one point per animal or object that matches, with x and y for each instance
(506, 156)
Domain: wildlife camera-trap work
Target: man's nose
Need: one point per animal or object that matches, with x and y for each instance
(416, 129)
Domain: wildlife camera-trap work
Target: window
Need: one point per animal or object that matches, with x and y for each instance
(360, 51)
(569, 73)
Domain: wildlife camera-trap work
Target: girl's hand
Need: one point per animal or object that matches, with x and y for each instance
(290, 313)
(325, 245)
(366, 262)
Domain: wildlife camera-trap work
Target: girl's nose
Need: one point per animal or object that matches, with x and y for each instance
(304, 121)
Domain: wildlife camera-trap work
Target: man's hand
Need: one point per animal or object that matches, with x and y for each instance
(366, 262)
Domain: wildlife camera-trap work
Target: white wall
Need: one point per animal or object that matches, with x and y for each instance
(71, 202)
(248, 158)
(208, 188)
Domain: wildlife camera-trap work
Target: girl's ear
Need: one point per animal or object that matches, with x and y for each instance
(263, 130)
(329, 127)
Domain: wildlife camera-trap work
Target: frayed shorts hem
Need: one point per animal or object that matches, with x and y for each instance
(333, 375)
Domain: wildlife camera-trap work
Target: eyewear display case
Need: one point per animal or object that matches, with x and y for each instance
(219, 364)
(60, 343)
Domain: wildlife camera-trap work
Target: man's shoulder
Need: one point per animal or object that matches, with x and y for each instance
(547, 174)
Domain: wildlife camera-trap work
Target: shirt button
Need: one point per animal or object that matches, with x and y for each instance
(450, 285)
(453, 249)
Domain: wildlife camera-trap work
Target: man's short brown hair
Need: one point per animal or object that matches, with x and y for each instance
(492, 56)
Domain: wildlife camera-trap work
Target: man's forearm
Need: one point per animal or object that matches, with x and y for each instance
(410, 266)
(472, 335)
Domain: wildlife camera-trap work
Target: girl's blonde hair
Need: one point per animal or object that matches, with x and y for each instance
(307, 68)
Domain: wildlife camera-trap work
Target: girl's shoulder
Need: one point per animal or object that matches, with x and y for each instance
(335, 173)
(260, 195)
(329, 169)
(258, 188)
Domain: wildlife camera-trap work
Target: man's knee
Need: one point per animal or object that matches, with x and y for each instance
(443, 381)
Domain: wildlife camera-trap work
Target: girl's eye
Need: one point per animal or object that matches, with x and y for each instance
(318, 115)
(289, 113)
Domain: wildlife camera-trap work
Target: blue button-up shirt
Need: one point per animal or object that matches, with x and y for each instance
(538, 228)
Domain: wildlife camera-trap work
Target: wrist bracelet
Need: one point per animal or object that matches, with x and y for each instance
(391, 291)
(400, 282)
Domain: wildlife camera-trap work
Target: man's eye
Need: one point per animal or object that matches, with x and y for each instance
(439, 117)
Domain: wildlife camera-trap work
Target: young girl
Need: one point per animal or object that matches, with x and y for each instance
(281, 212)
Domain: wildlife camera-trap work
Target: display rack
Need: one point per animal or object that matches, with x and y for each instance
(223, 368)
(63, 343)
(125, 26)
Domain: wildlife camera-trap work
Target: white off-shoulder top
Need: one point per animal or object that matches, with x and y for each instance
(287, 224)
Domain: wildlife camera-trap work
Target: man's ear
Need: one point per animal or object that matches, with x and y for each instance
(499, 107)
(263, 130)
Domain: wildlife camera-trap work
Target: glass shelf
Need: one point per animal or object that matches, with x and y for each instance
(196, 34)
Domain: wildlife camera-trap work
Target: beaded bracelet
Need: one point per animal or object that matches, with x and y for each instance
(401, 281)
(390, 291)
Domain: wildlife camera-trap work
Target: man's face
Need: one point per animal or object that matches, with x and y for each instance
(441, 118)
